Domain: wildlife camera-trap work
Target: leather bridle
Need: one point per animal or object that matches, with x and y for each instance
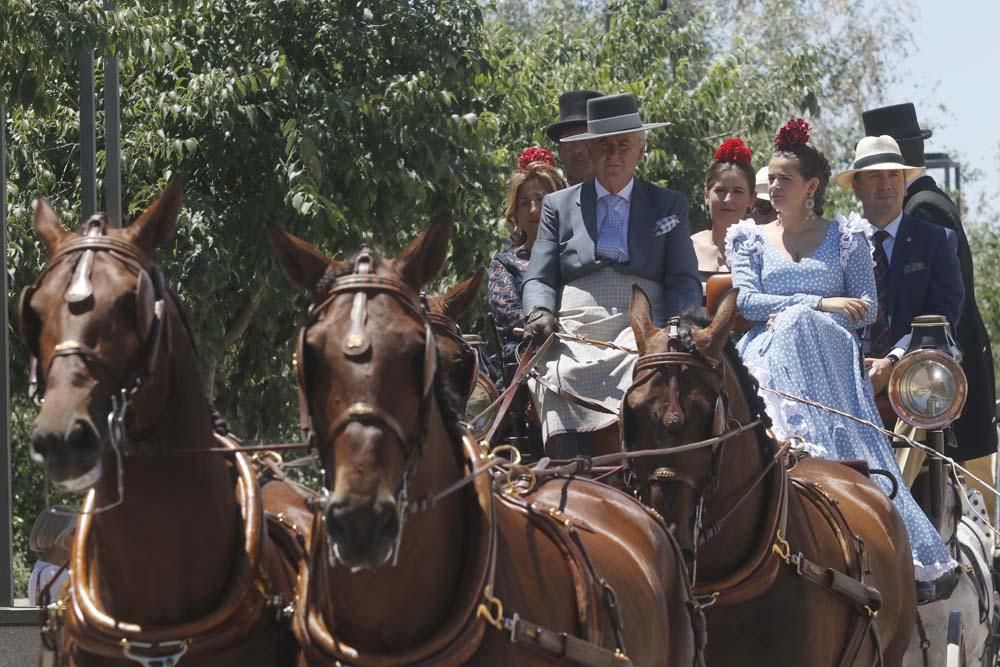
(150, 286)
(444, 326)
(356, 343)
(673, 364)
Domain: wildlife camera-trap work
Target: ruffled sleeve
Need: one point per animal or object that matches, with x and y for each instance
(859, 268)
(744, 252)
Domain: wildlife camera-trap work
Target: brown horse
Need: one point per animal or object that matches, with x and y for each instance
(474, 571)
(759, 539)
(171, 556)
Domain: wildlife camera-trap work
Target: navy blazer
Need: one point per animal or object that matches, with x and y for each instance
(659, 245)
(924, 275)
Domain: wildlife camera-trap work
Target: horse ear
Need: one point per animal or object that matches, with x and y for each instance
(156, 224)
(48, 228)
(423, 258)
(304, 263)
(641, 318)
(461, 297)
(713, 339)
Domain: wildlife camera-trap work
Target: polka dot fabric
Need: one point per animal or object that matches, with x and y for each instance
(817, 356)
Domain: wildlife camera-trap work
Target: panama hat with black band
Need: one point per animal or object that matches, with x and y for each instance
(877, 154)
(611, 115)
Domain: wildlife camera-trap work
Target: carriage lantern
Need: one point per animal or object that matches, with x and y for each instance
(928, 387)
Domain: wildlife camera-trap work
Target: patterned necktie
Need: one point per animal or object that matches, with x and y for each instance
(878, 332)
(611, 236)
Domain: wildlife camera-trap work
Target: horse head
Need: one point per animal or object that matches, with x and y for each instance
(459, 360)
(367, 366)
(679, 395)
(94, 321)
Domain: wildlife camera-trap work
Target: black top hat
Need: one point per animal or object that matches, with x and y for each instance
(613, 114)
(572, 112)
(899, 121)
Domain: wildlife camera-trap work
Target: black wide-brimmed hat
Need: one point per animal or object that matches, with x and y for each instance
(572, 112)
(899, 121)
(613, 114)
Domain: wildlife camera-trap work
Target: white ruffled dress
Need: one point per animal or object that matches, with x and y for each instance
(817, 356)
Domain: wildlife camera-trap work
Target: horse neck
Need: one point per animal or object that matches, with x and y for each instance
(742, 463)
(171, 542)
(398, 607)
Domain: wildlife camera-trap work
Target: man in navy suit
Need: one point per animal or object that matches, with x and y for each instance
(916, 263)
(595, 240)
(919, 260)
(975, 430)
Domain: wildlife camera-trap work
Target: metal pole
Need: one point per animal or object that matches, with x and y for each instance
(112, 138)
(6, 505)
(88, 137)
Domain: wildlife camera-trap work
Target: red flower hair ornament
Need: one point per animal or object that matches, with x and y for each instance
(735, 151)
(535, 154)
(793, 133)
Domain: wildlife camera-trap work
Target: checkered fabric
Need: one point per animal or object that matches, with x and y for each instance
(594, 306)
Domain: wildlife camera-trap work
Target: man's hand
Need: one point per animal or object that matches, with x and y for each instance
(540, 325)
(879, 371)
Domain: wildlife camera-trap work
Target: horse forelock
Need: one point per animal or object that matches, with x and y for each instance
(749, 387)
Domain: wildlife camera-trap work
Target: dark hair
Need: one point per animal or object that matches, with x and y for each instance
(717, 169)
(549, 177)
(811, 164)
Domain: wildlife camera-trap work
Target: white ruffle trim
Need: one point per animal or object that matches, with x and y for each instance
(744, 236)
(788, 417)
(853, 229)
(931, 572)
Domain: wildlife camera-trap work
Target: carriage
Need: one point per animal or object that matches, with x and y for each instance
(560, 568)
(926, 393)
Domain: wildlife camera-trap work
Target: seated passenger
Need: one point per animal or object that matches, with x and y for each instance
(595, 241)
(762, 211)
(808, 284)
(535, 178)
(729, 192)
(916, 265)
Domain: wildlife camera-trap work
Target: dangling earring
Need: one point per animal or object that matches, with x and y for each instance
(810, 208)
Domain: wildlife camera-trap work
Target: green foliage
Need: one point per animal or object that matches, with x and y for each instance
(984, 239)
(352, 122)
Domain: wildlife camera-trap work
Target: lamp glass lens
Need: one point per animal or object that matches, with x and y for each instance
(928, 389)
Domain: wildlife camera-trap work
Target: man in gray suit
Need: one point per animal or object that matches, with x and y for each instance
(594, 241)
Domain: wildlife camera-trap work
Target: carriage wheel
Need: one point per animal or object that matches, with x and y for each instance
(955, 655)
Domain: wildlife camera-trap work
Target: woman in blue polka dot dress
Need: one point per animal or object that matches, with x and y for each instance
(809, 286)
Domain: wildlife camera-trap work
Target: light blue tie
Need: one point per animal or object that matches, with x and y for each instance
(611, 236)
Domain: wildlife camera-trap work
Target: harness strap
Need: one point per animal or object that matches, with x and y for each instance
(506, 399)
(570, 395)
(561, 645)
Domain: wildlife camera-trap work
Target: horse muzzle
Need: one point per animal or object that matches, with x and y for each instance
(72, 456)
(362, 536)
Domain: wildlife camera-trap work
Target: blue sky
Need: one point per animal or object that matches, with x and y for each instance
(951, 77)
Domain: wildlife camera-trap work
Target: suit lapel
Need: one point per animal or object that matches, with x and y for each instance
(587, 203)
(901, 250)
(639, 227)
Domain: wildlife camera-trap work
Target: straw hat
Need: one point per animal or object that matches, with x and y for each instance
(879, 153)
(760, 187)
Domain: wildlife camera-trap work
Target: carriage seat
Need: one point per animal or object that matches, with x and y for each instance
(716, 288)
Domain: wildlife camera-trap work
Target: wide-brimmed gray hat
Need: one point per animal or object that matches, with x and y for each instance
(613, 114)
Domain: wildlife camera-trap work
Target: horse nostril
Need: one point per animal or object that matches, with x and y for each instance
(386, 521)
(82, 437)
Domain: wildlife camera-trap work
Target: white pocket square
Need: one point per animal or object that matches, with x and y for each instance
(664, 225)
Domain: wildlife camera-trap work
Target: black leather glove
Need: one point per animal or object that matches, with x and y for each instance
(540, 324)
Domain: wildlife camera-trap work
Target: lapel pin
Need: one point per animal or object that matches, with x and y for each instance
(909, 238)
